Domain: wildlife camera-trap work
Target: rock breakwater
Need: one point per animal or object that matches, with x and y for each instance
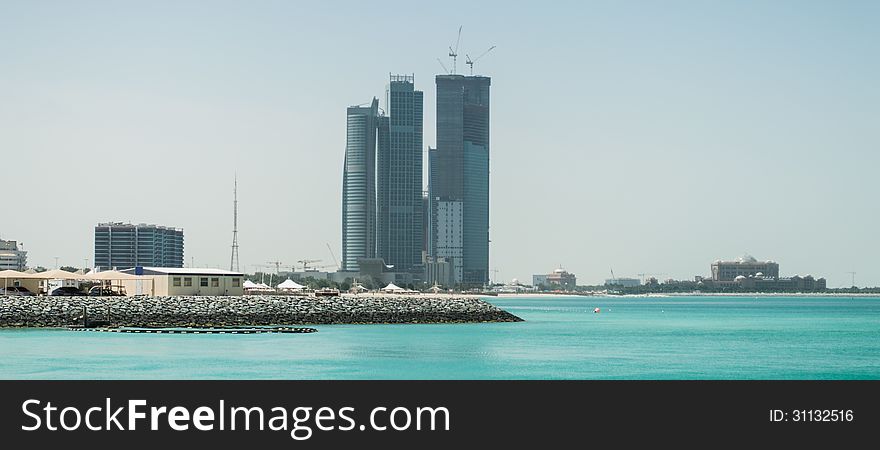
(192, 311)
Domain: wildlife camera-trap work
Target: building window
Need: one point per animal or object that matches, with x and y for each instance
(236, 282)
(187, 281)
(176, 282)
(203, 282)
(215, 282)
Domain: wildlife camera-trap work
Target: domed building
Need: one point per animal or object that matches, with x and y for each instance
(745, 266)
(558, 279)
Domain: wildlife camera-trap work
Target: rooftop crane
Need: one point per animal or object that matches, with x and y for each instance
(470, 62)
(443, 66)
(454, 53)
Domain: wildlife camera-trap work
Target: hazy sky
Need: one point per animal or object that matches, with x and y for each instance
(647, 137)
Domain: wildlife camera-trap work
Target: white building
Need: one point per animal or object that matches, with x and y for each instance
(11, 258)
(450, 243)
(167, 281)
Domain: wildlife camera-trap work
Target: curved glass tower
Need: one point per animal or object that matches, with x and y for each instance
(359, 186)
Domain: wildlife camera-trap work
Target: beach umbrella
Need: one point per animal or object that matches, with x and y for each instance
(290, 284)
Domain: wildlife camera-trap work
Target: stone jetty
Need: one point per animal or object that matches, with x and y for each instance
(203, 311)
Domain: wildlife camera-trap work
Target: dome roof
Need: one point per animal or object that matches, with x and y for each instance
(746, 259)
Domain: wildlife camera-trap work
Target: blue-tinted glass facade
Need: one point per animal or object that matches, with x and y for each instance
(400, 235)
(359, 185)
(459, 167)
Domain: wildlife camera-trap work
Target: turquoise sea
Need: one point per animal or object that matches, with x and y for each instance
(561, 338)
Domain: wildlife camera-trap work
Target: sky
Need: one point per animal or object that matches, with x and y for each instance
(635, 136)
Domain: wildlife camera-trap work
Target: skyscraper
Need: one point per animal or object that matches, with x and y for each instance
(459, 177)
(359, 185)
(124, 245)
(399, 185)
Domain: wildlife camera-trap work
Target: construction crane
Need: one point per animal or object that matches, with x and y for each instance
(305, 263)
(443, 66)
(333, 256)
(470, 62)
(277, 265)
(454, 53)
(853, 278)
(263, 272)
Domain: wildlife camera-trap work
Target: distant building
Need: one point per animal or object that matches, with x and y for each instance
(167, 281)
(558, 279)
(539, 280)
(449, 241)
(301, 276)
(624, 282)
(11, 258)
(124, 246)
(788, 284)
(376, 270)
(743, 266)
(439, 271)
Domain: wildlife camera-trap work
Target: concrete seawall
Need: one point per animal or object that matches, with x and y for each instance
(20, 311)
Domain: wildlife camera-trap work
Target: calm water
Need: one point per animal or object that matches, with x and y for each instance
(653, 338)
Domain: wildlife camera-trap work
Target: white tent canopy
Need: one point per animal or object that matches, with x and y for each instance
(110, 275)
(393, 287)
(58, 274)
(248, 284)
(15, 274)
(290, 284)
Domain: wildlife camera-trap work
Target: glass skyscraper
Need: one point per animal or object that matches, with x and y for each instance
(399, 185)
(359, 185)
(459, 177)
(124, 245)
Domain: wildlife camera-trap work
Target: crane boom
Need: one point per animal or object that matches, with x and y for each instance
(470, 62)
(443, 66)
(454, 52)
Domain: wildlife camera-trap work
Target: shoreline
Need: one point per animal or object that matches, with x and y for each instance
(691, 294)
(210, 311)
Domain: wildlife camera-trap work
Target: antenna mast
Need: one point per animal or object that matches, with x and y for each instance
(233, 263)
